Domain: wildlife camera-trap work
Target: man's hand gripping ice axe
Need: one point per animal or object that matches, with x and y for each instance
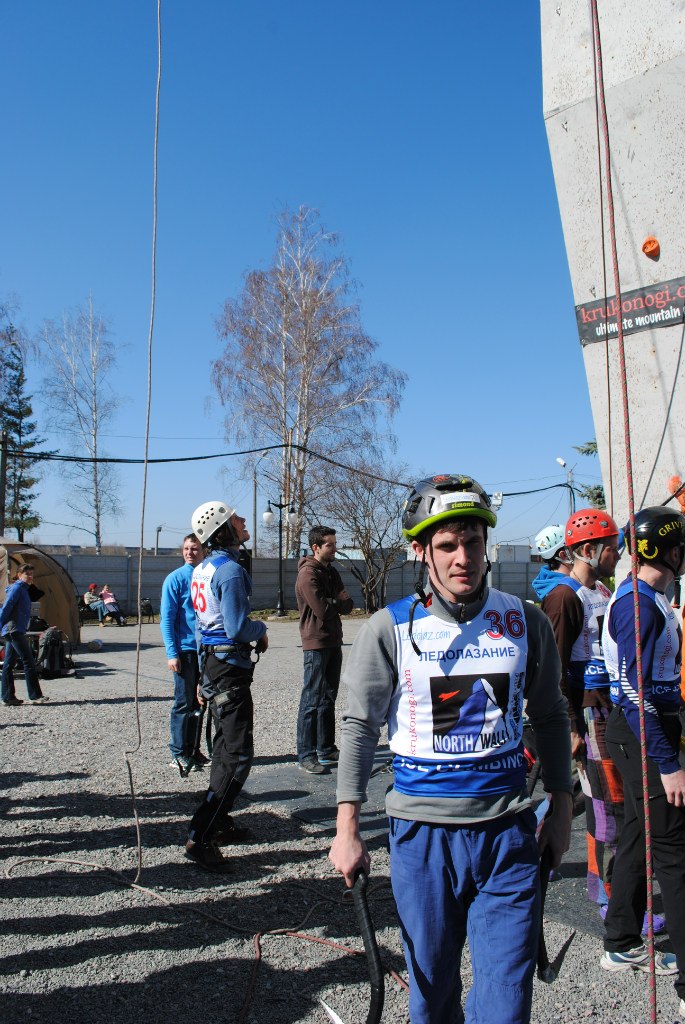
(361, 906)
(554, 839)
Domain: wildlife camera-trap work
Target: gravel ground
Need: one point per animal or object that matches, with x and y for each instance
(79, 944)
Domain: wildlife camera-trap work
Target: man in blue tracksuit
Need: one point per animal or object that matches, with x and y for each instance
(448, 671)
(15, 615)
(660, 541)
(177, 623)
(227, 636)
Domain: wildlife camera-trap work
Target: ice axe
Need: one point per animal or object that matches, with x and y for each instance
(545, 970)
(373, 957)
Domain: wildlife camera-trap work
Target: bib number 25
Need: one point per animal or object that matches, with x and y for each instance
(197, 591)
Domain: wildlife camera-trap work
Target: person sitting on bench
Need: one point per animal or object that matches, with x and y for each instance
(94, 604)
(111, 604)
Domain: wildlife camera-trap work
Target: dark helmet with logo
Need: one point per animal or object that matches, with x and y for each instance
(443, 497)
(657, 530)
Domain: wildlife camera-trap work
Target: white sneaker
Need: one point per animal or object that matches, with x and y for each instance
(638, 959)
(681, 1008)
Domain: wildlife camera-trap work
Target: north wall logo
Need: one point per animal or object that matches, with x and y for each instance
(462, 707)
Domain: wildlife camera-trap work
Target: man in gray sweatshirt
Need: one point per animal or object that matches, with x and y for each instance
(448, 670)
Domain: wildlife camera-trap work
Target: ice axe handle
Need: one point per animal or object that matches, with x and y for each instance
(545, 970)
(361, 906)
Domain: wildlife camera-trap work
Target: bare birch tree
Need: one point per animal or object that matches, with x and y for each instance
(298, 368)
(80, 404)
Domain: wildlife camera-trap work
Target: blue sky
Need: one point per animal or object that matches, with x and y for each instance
(416, 130)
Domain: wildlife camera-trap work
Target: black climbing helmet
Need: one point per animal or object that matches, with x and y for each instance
(657, 530)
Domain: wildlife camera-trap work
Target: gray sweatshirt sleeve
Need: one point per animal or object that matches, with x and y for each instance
(370, 676)
(546, 706)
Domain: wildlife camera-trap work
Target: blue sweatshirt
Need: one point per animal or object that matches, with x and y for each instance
(546, 580)
(16, 611)
(176, 614)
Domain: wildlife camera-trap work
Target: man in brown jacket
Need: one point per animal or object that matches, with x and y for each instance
(321, 598)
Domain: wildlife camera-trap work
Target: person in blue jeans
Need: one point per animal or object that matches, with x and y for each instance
(95, 603)
(321, 598)
(177, 623)
(448, 669)
(14, 620)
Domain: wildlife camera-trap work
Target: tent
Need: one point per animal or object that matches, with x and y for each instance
(59, 604)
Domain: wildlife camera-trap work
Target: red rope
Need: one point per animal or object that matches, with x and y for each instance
(631, 505)
(308, 938)
(610, 503)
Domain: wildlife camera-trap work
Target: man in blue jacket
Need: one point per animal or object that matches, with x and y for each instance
(14, 620)
(177, 623)
(660, 542)
(227, 638)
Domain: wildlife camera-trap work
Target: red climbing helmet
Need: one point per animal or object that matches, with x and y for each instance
(589, 524)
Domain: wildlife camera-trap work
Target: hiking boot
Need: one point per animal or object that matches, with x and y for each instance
(314, 766)
(207, 856)
(229, 833)
(40, 700)
(12, 702)
(638, 959)
(331, 758)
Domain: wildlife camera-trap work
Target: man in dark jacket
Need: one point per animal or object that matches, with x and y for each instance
(321, 598)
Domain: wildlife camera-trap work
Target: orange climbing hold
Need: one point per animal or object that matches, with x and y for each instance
(651, 247)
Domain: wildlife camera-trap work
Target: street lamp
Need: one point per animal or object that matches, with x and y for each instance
(254, 504)
(157, 533)
(569, 484)
(268, 518)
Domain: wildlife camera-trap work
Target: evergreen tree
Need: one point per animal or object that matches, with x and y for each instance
(15, 417)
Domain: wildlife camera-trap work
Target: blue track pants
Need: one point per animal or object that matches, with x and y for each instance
(480, 882)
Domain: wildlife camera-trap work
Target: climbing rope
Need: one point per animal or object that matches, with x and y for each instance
(631, 498)
(610, 494)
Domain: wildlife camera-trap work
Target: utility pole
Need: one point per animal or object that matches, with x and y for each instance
(3, 480)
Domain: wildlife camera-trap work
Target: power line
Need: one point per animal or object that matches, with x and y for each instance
(104, 459)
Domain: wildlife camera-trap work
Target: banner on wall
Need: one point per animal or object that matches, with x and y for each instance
(660, 305)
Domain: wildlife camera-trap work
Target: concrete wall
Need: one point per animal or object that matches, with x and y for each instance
(121, 573)
(644, 69)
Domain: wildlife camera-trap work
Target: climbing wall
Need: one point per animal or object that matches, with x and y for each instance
(643, 51)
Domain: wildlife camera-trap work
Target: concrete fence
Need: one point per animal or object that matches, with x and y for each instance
(121, 573)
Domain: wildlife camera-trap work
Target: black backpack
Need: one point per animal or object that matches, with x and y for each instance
(52, 660)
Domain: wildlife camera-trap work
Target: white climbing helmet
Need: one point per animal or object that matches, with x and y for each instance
(207, 519)
(549, 541)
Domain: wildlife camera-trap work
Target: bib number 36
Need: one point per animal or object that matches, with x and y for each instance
(512, 624)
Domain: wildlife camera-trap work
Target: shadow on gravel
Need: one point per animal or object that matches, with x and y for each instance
(164, 821)
(558, 961)
(12, 780)
(116, 647)
(274, 759)
(90, 701)
(109, 947)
